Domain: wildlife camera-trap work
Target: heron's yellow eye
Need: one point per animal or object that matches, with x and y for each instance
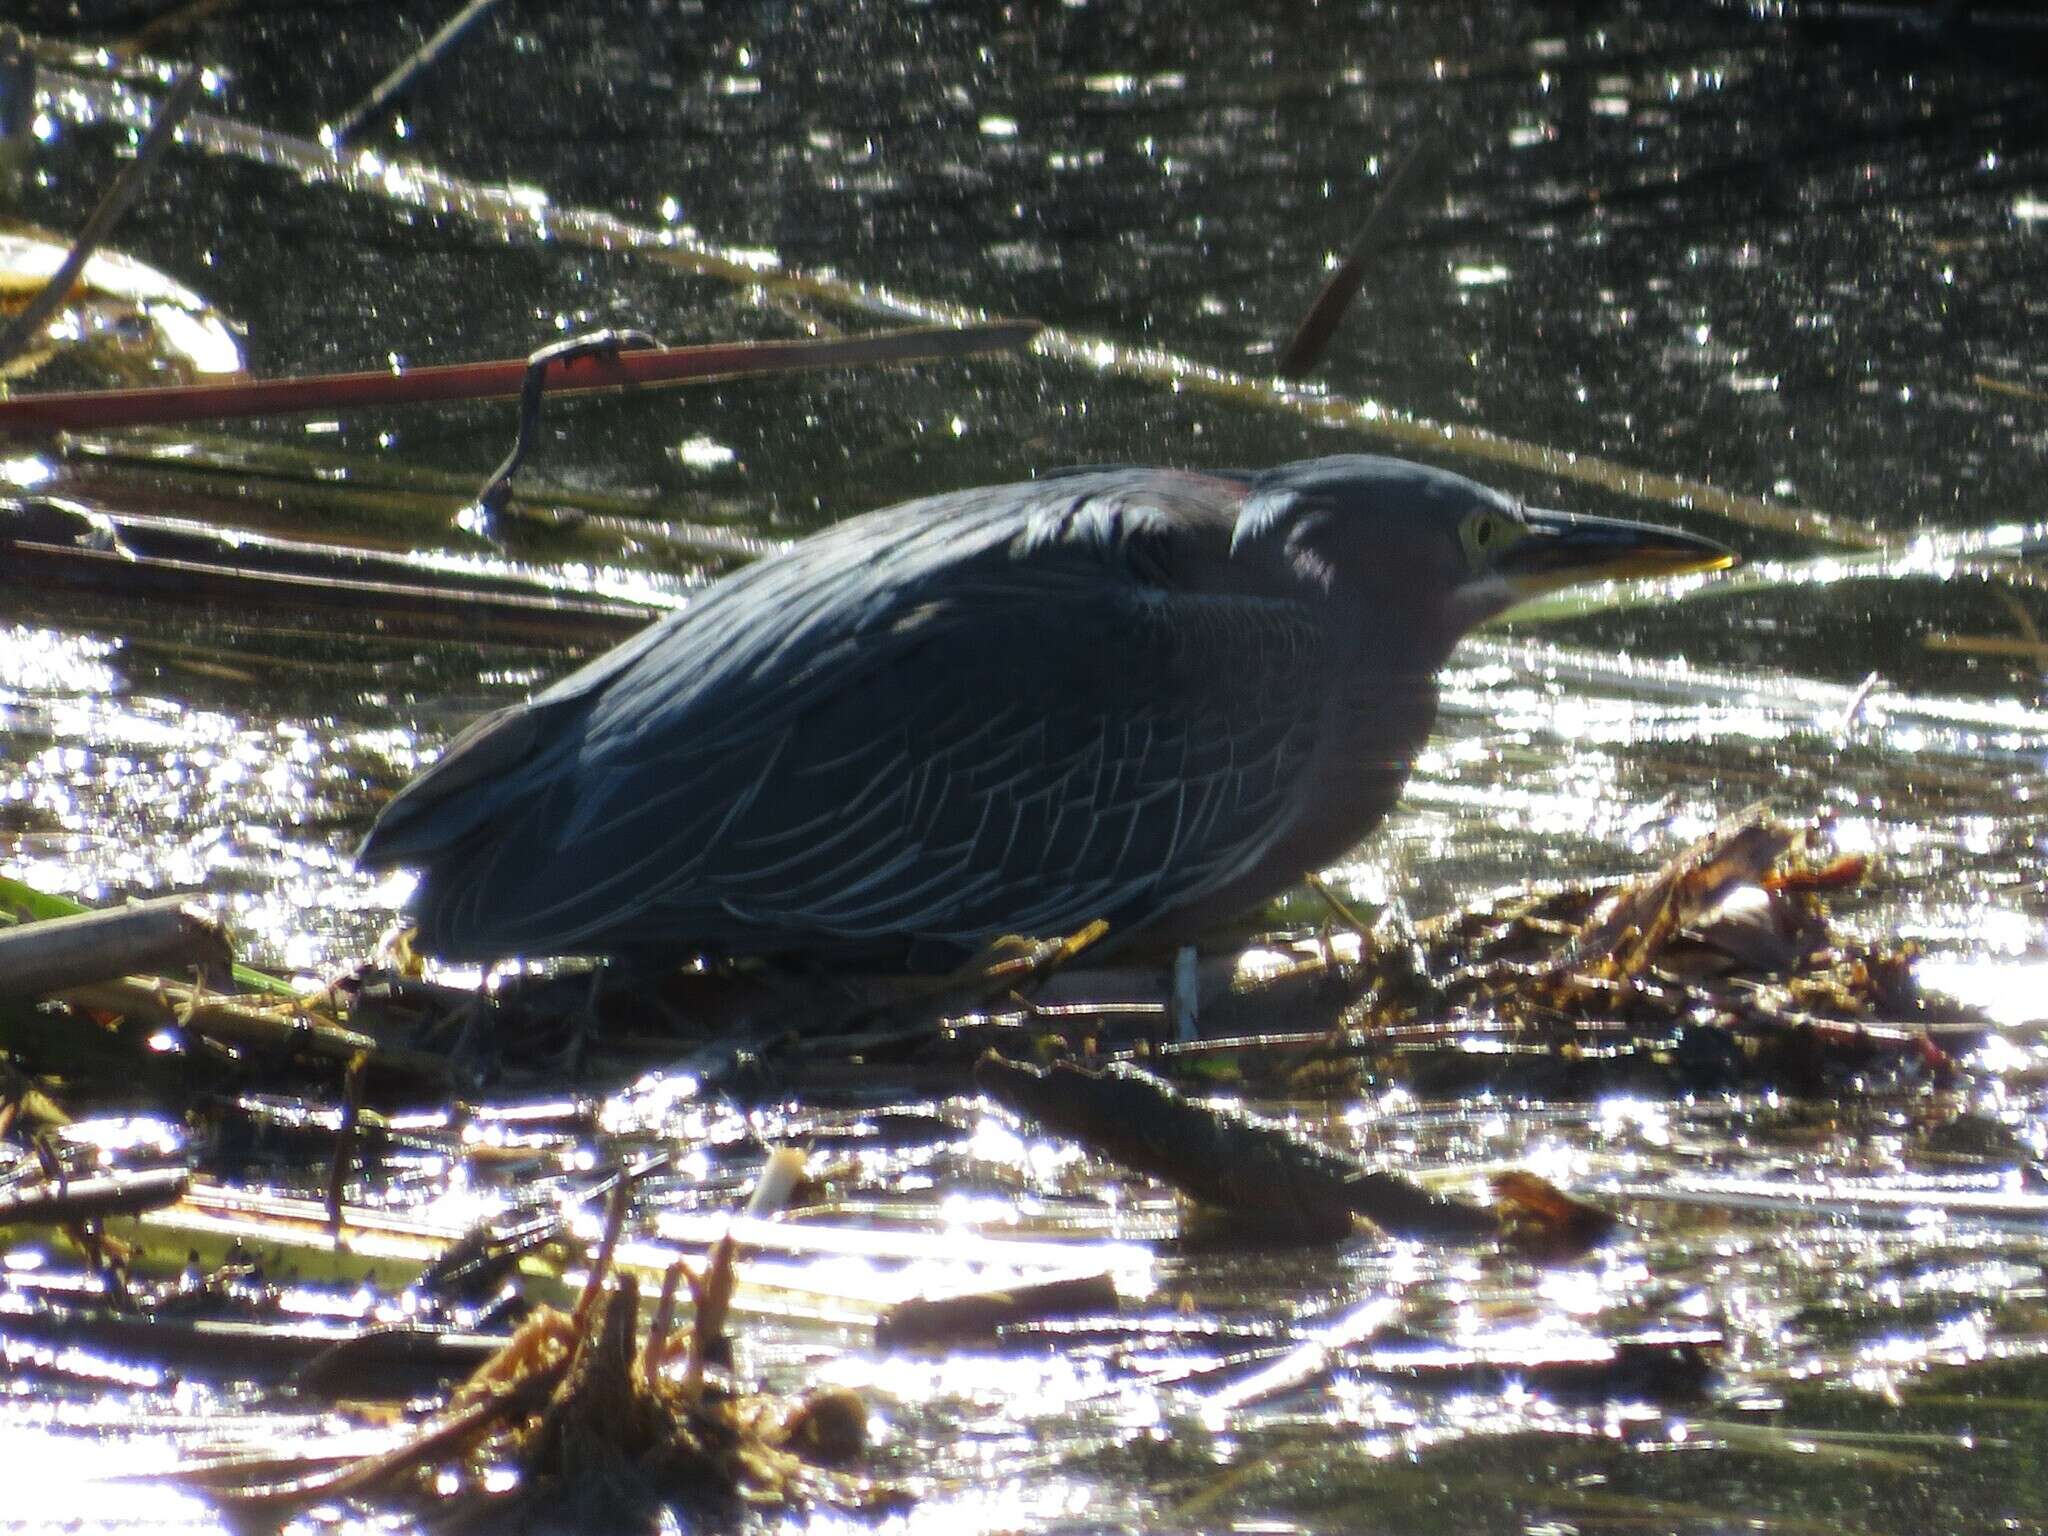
(1485, 532)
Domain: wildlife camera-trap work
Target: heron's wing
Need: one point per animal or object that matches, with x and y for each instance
(698, 677)
(468, 786)
(1022, 761)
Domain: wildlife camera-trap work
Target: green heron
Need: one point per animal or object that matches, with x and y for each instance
(1151, 696)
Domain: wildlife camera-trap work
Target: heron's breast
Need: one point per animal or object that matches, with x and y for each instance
(1373, 730)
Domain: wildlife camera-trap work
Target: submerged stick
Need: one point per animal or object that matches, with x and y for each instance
(606, 344)
(164, 936)
(431, 606)
(977, 1317)
(1312, 336)
(1266, 1176)
(345, 1138)
(415, 64)
(24, 900)
(120, 1193)
(500, 379)
(100, 223)
(272, 1026)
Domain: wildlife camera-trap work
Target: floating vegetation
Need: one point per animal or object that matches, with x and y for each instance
(123, 319)
(604, 1427)
(1717, 970)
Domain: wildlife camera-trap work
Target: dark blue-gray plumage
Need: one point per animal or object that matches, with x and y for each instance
(1145, 695)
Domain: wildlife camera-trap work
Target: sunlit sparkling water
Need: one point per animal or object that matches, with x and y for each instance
(115, 793)
(75, 1469)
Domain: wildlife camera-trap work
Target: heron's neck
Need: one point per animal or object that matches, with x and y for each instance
(1383, 697)
(1387, 636)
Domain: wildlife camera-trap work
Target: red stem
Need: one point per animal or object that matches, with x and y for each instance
(492, 380)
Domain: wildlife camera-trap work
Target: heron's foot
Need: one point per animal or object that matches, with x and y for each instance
(397, 951)
(1007, 966)
(1001, 950)
(1011, 960)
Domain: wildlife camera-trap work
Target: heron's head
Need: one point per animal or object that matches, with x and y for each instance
(1431, 554)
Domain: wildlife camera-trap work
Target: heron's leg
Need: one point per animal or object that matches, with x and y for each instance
(585, 1024)
(1184, 994)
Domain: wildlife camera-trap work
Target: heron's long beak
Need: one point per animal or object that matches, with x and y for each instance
(1562, 549)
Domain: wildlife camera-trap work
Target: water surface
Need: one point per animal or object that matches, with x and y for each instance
(1794, 271)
